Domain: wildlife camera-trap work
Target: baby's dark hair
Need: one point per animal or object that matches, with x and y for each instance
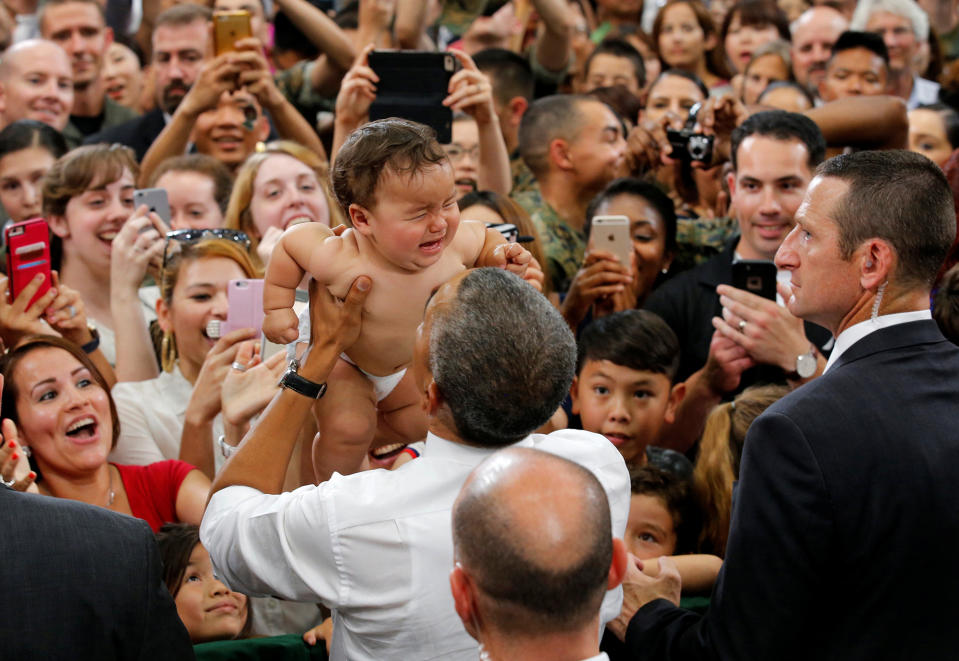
(637, 339)
(676, 493)
(398, 144)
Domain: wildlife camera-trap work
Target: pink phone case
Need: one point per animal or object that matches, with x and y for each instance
(245, 301)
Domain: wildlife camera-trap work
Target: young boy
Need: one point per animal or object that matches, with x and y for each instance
(396, 184)
(624, 380)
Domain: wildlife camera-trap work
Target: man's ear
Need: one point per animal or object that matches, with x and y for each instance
(434, 398)
(574, 394)
(517, 108)
(58, 225)
(464, 600)
(676, 396)
(878, 262)
(559, 154)
(617, 568)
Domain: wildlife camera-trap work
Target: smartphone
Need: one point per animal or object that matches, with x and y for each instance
(508, 230)
(412, 86)
(756, 276)
(611, 233)
(156, 201)
(28, 253)
(228, 28)
(244, 306)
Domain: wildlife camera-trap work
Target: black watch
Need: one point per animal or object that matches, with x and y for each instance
(297, 383)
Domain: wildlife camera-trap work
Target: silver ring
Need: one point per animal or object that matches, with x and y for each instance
(239, 367)
(8, 484)
(742, 325)
(73, 311)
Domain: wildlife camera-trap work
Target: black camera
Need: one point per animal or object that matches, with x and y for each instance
(687, 144)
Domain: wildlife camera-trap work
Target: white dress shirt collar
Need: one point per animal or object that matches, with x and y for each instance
(856, 332)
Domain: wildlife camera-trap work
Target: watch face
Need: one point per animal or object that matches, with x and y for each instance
(806, 365)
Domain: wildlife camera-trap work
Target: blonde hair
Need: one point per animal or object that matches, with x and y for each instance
(171, 273)
(238, 215)
(717, 466)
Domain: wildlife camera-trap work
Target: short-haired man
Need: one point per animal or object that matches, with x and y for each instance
(376, 546)
(813, 35)
(851, 478)
(180, 47)
(859, 66)
(903, 27)
(534, 557)
(574, 146)
(615, 62)
(511, 78)
(774, 154)
(80, 28)
(36, 82)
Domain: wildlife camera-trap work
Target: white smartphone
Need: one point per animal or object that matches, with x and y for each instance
(611, 233)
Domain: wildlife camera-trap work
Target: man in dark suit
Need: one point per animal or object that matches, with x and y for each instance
(180, 47)
(82, 582)
(846, 521)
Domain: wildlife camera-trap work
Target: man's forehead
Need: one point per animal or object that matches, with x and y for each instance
(73, 11)
(765, 154)
(183, 36)
(44, 57)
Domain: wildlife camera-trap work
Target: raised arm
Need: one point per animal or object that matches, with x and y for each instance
(262, 458)
(553, 42)
(256, 78)
(409, 28)
(471, 92)
(294, 255)
(357, 94)
(866, 122)
(336, 49)
(216, 77)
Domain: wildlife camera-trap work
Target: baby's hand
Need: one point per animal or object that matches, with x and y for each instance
(281, 326)
(512, 257)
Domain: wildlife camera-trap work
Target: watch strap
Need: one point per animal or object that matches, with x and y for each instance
(301, 385)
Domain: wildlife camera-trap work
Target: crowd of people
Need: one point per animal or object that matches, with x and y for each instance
(654, 358)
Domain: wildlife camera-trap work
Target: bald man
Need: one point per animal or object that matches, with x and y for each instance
(36, 82)
(534, 556)
(813, 36)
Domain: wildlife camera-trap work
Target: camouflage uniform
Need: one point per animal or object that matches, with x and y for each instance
(698, 239)
(563, 245)
(294, 84)
(523, 179)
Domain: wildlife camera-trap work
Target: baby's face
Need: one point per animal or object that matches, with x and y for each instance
(414, 218)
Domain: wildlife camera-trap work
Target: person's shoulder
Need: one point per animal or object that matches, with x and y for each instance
(45, 517)
(584, 447)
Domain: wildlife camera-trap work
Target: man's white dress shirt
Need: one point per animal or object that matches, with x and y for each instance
(377, 546)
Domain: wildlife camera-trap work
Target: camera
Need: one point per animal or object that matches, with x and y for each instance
(687, 144)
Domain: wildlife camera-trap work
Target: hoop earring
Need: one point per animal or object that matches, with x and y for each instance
(168, 351)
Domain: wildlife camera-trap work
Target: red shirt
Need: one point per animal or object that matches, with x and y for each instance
(152, 490)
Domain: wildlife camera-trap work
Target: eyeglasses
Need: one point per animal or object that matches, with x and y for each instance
(456, 152)
(178, 238)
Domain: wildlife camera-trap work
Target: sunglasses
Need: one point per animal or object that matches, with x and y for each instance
(179, 238)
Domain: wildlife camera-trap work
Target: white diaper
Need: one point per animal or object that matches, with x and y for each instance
(382, 385)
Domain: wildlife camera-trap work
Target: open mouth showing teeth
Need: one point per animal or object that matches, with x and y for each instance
(82, 428)
(387, 451)
(466, 182)
(431, 244)
(298, 220)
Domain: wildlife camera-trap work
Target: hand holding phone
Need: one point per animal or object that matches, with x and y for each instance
(756, 276)
(611, 233)
(28, 254)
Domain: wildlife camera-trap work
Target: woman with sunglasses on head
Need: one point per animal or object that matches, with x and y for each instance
(104, 247)
(62, 411)
(180, 413)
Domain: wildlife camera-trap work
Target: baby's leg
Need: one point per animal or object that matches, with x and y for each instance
(401, 413)
(346, 418)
